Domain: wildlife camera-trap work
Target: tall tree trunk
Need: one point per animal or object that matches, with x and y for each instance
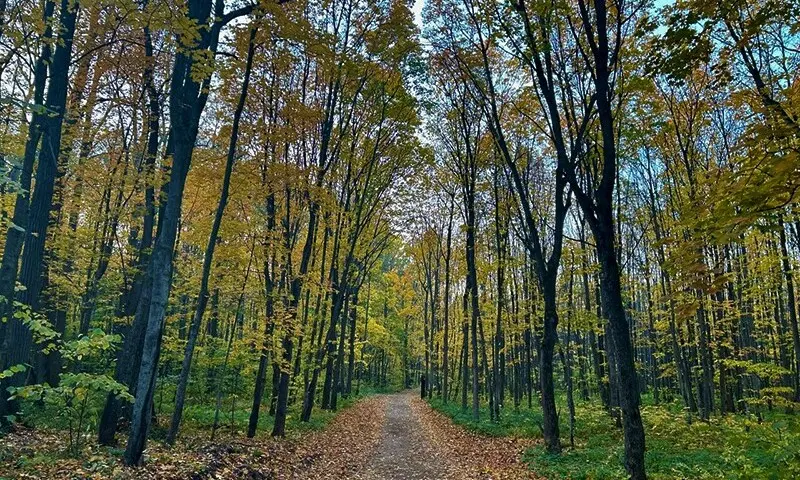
(446, 313)
(187, 101)
(15, 236)
(550, 429)
(597, 206)
(706, 383)
(500, 234)
(351, 345)
(472, 291)
(651, 332)
(792, 302)
(338, 365)
(363, 339)
(202, 296)
(269, 287)
(127, 367)
(38, 216)
(611, 295)
(465, 350)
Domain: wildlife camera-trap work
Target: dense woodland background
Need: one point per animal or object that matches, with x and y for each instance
(220, 215)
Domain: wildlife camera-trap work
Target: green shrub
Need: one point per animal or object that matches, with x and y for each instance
(76, 402)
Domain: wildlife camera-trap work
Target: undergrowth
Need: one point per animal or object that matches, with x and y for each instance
(49, 449)
(731, 447)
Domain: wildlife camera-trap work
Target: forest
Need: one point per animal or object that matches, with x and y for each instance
(397, 239)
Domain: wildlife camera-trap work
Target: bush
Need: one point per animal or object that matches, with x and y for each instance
(76, 402)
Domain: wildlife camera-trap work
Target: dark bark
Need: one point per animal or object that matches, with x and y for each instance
(188, 97)
(597, 207)
(269, 287)
(15, 236)
(32, 270)
(364, 339)
(651, 333)
(351, 345)
(294, 303)
(446, 313)
(127, 365)
(706, 382)
(330, 337)
(789, 278)
(541, 64)
(566, 359)
(465, 350)
(550, 428)
(472, 290)
(500, 241)
(338, 365)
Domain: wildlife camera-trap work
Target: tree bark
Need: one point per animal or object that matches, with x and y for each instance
(38, 216)
(187, 101)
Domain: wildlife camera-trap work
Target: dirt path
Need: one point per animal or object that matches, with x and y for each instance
(476, 456)
(387, 437)
(404, 451)
(417, 443)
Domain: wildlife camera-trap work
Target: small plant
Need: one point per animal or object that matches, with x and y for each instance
(75, 402)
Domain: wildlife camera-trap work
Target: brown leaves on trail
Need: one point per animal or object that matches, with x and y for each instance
(334, 453)
(477, 456)
(342, 449)
(405, 452)
(357, 443)
(337, 452)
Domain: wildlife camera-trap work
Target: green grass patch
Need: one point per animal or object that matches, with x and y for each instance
(520, 423)
(731, 447)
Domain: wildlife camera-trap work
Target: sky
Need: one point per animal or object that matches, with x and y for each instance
(418, 4)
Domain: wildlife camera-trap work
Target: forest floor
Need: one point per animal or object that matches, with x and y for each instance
(763, 444)
(384, 437)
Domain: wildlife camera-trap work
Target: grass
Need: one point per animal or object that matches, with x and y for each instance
(731, 447)
(521, 423)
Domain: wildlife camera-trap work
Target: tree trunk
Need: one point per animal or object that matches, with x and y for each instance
(792, 302)
(202, 296)
(15, 237)
(611, 295)
(126, 369)
(269, 287)
(38, 216)
(446, 313)
(550, 430)
(351, 345)
(187, 101)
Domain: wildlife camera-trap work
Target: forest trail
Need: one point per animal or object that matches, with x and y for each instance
(395, 437)
(418, 443)
(404, 452)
